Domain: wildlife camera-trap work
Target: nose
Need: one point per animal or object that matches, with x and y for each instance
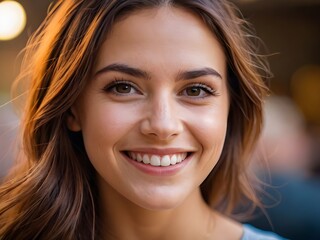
(162, 121)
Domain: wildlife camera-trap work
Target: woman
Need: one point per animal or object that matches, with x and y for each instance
(139, 120)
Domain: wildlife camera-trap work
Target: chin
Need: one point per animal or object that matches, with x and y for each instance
(159, 202)
(159, 206)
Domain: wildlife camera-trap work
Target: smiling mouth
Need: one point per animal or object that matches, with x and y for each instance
(157, 160)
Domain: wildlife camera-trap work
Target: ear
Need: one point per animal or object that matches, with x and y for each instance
(73, 121)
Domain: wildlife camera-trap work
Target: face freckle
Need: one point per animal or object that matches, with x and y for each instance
(154, 116)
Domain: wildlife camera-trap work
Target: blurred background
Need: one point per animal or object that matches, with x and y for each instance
(290, 143)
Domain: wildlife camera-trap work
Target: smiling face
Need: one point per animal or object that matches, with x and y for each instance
(154, 114)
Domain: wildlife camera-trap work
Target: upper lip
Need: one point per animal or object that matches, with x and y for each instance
(160, 151)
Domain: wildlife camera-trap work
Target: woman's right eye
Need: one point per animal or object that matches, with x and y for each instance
(121, 88)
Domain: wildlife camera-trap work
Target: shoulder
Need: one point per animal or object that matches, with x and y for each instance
(252, 233)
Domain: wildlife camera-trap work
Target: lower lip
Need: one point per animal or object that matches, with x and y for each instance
(159, 171)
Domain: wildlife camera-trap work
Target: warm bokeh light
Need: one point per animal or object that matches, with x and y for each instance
(12, 19)
(305, 89)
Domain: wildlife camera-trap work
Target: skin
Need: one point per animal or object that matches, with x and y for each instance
(163, 113)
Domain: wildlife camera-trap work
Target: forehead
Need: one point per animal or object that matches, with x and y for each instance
(164, 17)
(159, 33)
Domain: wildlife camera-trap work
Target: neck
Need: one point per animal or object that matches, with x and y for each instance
(126, 220)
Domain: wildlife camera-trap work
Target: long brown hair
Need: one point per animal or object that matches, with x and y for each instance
(53, 194)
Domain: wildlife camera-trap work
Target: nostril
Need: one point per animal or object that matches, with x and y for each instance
(161, 127)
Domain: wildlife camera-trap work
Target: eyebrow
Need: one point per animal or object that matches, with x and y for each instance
(185, 75)
(123, 68)
(136, 72)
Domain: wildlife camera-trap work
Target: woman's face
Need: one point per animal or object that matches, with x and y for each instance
(154, 114)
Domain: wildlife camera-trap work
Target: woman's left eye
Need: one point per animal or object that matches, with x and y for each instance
(198, 91)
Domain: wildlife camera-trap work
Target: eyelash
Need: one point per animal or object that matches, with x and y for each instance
(209, 90)
(204, 87)
(110, 87)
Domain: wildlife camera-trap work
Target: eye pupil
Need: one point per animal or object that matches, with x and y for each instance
(193, 91)
(123, 88)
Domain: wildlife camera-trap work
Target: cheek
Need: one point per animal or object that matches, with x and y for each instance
(212, 129)
(209, 126)
(210, 132)
(103, 125)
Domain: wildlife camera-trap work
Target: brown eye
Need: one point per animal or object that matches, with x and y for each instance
(198, 90)
(123, 88)
(193, 91)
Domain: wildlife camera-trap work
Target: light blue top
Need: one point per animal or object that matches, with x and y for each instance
(252, 233)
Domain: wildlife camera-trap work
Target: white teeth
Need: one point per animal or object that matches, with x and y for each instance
(165, 161)
(184, 156)
(173, 159)
(178, 158)
(156, 160)
(139, 157)
(145, 159)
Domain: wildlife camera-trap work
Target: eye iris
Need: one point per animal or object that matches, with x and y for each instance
(123, 88)
(193, 91)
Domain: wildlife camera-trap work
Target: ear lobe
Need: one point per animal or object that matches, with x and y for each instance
(73, 121)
